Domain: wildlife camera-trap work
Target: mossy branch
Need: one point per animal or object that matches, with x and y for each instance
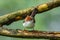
(28, 34)
(21, 14)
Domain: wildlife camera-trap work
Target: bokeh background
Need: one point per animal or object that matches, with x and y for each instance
(46, 21)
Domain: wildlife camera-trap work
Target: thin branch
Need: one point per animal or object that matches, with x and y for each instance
(21, 14)
(28, 34)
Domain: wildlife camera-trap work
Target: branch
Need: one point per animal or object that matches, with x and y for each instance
(28, 34)
(21, 14)
(9, 18)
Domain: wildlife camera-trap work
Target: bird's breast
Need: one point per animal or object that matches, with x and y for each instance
(28, 24)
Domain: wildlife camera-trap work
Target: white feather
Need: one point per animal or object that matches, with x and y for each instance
(28, 24)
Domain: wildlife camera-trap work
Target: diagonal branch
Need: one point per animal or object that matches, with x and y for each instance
(21, 14)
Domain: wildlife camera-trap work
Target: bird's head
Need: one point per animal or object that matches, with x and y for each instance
(28, 18)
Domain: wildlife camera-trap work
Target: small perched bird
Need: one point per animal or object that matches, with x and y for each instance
(29, 21)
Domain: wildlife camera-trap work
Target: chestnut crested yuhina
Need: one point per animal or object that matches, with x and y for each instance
(29, 21)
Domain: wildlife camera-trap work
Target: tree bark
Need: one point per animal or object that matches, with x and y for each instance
(29, 34)
(21, 14)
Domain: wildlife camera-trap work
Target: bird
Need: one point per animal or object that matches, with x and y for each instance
(29, 21)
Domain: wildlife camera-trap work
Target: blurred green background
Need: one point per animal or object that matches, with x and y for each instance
(47, 21)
